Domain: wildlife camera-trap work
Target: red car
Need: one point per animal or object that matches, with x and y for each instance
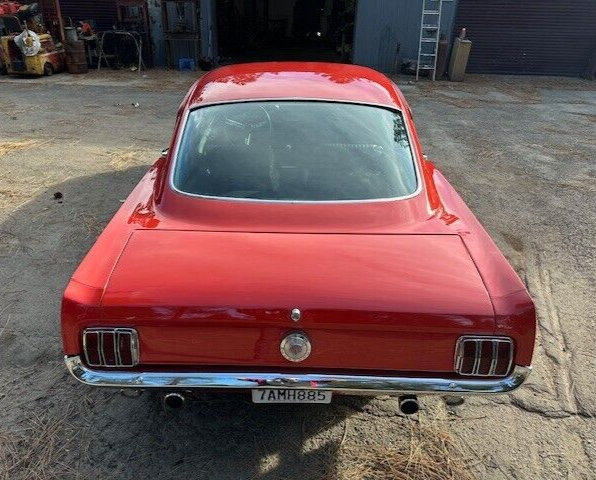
(295, 241)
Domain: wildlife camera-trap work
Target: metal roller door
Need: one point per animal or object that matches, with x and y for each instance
(545, 37)
(103, 12)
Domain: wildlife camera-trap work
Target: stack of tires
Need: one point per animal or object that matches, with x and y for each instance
(76, 60)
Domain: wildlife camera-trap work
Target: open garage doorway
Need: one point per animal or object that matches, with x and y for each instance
(265, 30)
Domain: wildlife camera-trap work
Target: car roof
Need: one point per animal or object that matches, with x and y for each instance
(291, 80)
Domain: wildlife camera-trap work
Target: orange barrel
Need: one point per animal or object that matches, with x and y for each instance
(76, 60)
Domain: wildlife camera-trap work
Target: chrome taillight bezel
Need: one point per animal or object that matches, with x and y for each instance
(478, 341)
(116, 334)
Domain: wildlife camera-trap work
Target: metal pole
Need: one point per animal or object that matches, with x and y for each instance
(60, 22)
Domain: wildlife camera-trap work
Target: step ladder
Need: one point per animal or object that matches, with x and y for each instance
(430, 29)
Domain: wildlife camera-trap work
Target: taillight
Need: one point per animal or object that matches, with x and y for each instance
(484, 356)
(111, 347)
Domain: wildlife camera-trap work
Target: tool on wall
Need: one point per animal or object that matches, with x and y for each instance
(428, 45)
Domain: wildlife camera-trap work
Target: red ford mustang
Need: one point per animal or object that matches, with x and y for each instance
(295, 241)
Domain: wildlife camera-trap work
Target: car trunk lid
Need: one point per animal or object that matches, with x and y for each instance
(394, 302)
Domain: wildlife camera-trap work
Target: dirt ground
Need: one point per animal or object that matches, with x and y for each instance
(520, 150)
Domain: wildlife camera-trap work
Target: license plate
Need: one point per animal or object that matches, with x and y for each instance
(290, 396)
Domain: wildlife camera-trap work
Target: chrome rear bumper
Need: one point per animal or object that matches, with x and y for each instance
(349, 384)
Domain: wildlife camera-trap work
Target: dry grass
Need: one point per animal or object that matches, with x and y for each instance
(91, 224)
(9, 196)
(576, 151)
(17, 146)
(128, 157)
(588, 116)
(12, 199)
(11, 147)
(457, 102)
(428, 453)
(38, 450)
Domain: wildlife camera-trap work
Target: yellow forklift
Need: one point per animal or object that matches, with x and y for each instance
(25, 49)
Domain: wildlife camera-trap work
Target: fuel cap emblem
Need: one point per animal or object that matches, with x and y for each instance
(295, 347)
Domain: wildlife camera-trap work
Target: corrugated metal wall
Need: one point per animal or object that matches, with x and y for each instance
(47, 10)
(102, 11)
(381, 24)
(553, 37)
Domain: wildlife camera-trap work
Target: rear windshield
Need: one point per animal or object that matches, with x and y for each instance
(295, 151)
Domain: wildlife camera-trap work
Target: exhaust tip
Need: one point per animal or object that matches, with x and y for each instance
(173, 401)
(408, 404)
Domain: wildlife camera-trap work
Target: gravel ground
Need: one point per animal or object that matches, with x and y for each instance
(520, 150)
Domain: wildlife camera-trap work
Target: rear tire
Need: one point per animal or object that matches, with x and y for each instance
(48, 70)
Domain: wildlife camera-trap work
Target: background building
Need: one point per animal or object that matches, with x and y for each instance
(555, 37)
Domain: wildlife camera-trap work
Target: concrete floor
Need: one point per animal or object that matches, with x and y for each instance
(520, 150)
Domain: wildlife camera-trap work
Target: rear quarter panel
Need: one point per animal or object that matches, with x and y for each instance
(515, 314)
